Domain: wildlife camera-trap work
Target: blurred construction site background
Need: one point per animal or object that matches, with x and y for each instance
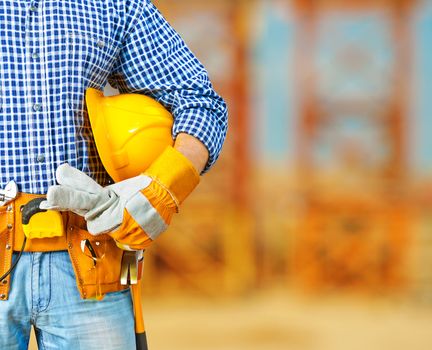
(314, 229)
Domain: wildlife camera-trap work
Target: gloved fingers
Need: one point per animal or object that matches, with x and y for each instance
(66, 198)
(110, 201)
(69, 176)
(107, 221)
(44, 205)
(128, 188)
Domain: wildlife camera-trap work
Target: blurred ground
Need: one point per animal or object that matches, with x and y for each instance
(278, 320)
(275, 320)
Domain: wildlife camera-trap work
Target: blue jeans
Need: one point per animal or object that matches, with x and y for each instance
(44, 294)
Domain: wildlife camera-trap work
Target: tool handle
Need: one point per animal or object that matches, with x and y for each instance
(30, 209)
(140, 334)
(141, 341)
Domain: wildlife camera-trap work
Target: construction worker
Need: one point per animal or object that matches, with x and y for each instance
(60, 260)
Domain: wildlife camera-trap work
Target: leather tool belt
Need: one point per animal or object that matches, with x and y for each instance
(97, 261)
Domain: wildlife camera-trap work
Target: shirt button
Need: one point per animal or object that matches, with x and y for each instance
(37, 107)
(40, 158)
(100, 44)
(33, 8)
(35, 55)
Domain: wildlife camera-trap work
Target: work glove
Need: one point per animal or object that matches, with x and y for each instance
(134, 211)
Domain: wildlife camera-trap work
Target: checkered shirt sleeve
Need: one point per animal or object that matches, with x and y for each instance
(155, 61)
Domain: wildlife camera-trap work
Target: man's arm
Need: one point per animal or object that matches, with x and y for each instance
(193, 149)
(155, 61)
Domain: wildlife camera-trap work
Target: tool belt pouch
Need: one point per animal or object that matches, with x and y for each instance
(96, 261)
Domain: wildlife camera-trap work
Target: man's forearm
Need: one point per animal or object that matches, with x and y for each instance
(193, 149)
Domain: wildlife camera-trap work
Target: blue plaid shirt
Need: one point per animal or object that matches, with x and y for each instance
(52, 51)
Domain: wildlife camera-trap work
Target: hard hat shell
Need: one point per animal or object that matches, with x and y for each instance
(130, 131)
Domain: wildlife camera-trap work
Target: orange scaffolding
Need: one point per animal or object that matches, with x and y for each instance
(209, 248)
(355, 229)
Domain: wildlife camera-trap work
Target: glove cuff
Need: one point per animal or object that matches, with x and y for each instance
(173, 171)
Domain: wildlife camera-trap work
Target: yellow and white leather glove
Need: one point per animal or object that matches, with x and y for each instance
(134, 211)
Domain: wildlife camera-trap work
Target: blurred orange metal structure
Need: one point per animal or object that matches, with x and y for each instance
(354, 223)
(209, 248)
(354, 232)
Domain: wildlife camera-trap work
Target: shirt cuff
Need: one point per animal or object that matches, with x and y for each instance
(203, 125)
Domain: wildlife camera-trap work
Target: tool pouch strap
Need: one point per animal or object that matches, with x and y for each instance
(94, 278)
(7, 221)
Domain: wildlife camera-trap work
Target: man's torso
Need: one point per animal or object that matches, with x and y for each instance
(51, 52)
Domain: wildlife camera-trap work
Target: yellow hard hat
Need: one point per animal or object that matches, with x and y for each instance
(130, 131)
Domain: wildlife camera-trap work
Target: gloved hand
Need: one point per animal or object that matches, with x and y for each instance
(134, 211)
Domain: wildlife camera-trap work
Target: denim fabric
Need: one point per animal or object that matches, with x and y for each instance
(44, 294)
